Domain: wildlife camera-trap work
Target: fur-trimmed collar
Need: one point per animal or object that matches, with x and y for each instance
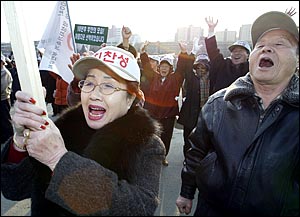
(116, 145)
(243, 86)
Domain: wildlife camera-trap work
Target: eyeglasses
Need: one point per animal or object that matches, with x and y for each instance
(105, 88)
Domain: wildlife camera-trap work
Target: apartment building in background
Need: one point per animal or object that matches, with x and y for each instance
(224, 39)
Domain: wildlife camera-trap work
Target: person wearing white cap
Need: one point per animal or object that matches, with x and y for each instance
(6, 89)
(163, 88)
(101, 157)
(151, 65)
(196, 89)
(244, 159)
(225, 70)
(154, 61)
(73, 92)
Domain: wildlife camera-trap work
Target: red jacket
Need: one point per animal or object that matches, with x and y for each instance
(61, 90)
(160, 99)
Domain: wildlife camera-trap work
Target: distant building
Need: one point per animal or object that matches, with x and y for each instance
(153, 48)
(245, 33)
(188, 33)
(226, 36)
(114, 35)
(134, 39)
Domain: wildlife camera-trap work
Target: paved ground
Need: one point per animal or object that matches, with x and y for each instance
(170, 177)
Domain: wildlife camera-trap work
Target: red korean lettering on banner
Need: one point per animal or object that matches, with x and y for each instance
(98, 55)
(109, 56)
(123, 61)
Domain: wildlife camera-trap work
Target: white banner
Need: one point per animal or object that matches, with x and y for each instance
(56, 43)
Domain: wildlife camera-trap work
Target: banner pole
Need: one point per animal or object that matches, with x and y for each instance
(75, 50)
(24, 53)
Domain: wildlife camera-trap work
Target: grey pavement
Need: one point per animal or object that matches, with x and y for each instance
(170, 182)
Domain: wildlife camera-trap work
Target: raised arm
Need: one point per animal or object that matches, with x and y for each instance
(291, 11)
(126, 34)
(211, 25)
(147, 71)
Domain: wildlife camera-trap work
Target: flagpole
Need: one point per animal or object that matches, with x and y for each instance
(24, 52)
(73, 41)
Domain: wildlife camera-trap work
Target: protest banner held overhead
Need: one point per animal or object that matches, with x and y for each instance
(57, 43)
(92, 35)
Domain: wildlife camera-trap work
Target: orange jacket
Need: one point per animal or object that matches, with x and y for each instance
(61, 90)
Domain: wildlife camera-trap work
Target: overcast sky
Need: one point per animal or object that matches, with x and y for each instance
(152, 20)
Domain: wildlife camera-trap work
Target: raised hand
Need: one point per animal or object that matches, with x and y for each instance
(211, 24)
(183, 47)
(196, 46)
(144, 46)
(103, 45)
(74, 82)
(73, 58)
(291, 11)
(126, 32)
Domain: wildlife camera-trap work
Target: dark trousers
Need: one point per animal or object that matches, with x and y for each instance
(187, 145)
(6, 125)
(168, 127)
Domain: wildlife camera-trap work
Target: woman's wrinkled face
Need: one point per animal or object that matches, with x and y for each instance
(100, 109)
(274, 58)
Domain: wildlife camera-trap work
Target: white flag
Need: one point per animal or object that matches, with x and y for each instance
(56, 43)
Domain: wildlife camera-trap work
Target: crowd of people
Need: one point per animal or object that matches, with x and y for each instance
(104, 153)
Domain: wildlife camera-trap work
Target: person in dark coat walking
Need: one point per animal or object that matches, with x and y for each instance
(224, 71)
(102, 157)
(5, 106)
(244, 159)
(196, 85)
(49, 82)
(16, 83)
